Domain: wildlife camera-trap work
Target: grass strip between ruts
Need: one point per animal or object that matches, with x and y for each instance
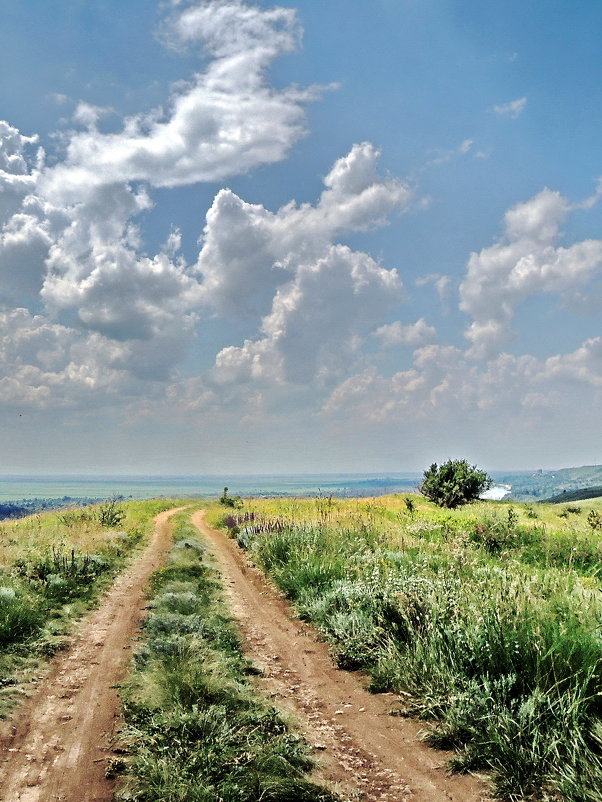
(195, 728)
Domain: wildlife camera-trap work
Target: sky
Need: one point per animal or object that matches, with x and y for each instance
(341, 236)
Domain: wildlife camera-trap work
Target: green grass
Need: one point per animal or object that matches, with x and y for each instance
(53, 567)
(196, 730)
(486, 620)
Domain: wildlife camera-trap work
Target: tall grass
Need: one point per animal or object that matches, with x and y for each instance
(196, 731)
(52, 568)
(471, 618)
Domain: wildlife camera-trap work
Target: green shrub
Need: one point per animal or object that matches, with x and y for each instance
(454, 483)
(110, 513)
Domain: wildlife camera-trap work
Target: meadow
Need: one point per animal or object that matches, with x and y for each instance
(486, 621)
(52, 568)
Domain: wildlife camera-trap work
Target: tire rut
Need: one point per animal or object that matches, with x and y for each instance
(363, 751)
(58, 744)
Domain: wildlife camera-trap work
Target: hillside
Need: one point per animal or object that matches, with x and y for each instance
(575, 495)
(542, 485)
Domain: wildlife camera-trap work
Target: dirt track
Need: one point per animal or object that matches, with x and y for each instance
(363, 751)
(58, 744)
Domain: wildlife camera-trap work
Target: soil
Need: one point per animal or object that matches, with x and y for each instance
(363, 752)
(59, 743)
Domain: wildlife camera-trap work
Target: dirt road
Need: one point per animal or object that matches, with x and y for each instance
(363, 751)
(58, 744)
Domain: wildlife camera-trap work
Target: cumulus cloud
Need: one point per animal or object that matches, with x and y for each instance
(414, 334)
(317, 323)
(71, 249)
(88, 115)
(513, 109)
(248, 251)
(445, 385)
(68, 237)
(224, 121)
(44, 364)
(95, 271)
(584, 365)
(230, 28)
(527, 260)
(319, 301)
(17, 175)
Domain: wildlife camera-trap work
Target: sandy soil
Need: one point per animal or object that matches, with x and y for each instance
(363, 751)
(59, 742)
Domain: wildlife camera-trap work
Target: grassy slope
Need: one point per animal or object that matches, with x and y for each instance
(536, 486)
(568, 496)
(52, 568)
(486, 620)
(196, 731)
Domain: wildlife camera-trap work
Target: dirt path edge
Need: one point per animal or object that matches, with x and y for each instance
(58, 743)
(363, 752)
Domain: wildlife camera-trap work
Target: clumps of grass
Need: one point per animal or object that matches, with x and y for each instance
(49, 575)
(492, 634)
(21, 615)
(195, 728)
(62, 575)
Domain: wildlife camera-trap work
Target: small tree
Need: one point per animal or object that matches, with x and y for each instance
(454, 483)
(229, 501)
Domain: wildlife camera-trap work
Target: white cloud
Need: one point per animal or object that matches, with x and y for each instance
(17, 176)
(88, 115)
(69, 244)
(442, 155)
(24, 245)
(414, 334)
(248, 251)
(229, 28)
(443, 285)
(44, 364)
(526, 261)
(223, 122)
(445, 387)
(513, 109)
(584, 365)
(317, 323)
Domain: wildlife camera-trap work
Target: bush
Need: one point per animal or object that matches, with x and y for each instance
(454, 483)
(229, 501)
(110, 513)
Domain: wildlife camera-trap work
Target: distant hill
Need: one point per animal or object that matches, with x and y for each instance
(575, 495)
(543, 485)
(32, 506)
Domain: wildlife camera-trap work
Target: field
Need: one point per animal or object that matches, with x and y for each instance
(484, 624)
(486, 621)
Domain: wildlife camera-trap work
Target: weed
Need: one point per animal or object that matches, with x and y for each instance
(52, 567)
(110, 513)
(410, 505)
(594, 519)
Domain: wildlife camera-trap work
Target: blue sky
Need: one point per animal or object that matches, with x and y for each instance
(342, 236)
